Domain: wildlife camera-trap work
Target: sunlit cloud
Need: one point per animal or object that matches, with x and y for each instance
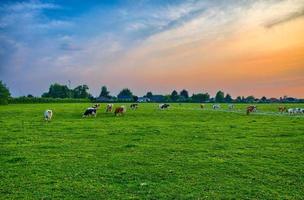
(243, 47)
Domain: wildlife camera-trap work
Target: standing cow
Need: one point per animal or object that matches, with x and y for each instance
(216, 106)
(164, 106)
(230, 106)
(109, 108)
(282, 109)
(120, 110)
(251, 109)
(92, 111)
(134, 106)
(48, 115)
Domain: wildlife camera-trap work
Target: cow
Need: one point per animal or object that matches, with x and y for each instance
(251, 109)
(282, 109)
(109, 108)
(216, 106)
(48, 115)
(202, 106)
(164, 106)
(295, 111)
(90, 112)
(134, 106)
(96, 106)
(230, 106)
(120, 110)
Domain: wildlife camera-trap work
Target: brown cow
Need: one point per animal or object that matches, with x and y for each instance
(282, 109)
(251, 109)
(109, 108)
(120, 110)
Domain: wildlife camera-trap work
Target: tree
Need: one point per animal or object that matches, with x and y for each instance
(149, 95)
(228, 98)
(200, 97)
(174, 95)
(184, 93)
(238, 99)
(250, 99)
(4, 93)
(81, 92)
(219, 97)
(125, 93)
(135, 98)
(264, 99)
(104, 92)
(58, 91)
(30, 96)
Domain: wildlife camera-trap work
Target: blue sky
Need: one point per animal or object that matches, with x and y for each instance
(145, 45)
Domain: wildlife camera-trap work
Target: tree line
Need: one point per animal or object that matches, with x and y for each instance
(62, 93)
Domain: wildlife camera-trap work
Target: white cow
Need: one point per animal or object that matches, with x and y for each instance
(216, 106)
(48, 115)
(109, 108)
(293, 111)
(230, 106)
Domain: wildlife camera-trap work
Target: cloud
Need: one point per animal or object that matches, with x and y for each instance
(143, 45)
(284, 19)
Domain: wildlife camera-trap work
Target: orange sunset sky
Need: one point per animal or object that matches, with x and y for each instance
(240, 47)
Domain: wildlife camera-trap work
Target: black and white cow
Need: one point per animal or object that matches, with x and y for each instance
(134, 106)
(164, 106)
(92, 111)
(48, 115)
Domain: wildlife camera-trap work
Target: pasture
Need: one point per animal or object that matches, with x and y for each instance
(180, 153)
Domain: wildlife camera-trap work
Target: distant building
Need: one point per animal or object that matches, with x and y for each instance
(104, 99)
(124, 98)
(143, 99)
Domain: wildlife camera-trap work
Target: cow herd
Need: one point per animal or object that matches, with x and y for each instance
(120, 110)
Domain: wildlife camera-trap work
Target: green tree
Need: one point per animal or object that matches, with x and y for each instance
(250, 99)
(125, 93)
(104, 92)
(184, 93)
(135, 98)
(219, 97)
(58, 91)
(238, 99)
(174, 95)
(4, 93)
(81, 92)
(200, 97)
(149, 95)
(228, 98)
(264, 99)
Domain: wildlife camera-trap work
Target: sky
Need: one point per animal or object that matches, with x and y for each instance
(243, 47)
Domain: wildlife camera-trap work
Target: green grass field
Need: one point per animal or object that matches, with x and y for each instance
(180, 153)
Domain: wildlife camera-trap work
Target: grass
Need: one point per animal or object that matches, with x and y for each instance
(180, 153)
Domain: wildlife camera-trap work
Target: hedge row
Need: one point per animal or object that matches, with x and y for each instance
(22, 100)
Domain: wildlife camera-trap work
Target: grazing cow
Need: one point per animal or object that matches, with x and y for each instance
(134, 106)
(282, 109)
(109, 108)
(230, 106)
(251, 109)
(163, 106)
(216, 106)
(96, 106)
(295, 111)
(202, 106)
(92, 111)
(48, 115)
(120, 110)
